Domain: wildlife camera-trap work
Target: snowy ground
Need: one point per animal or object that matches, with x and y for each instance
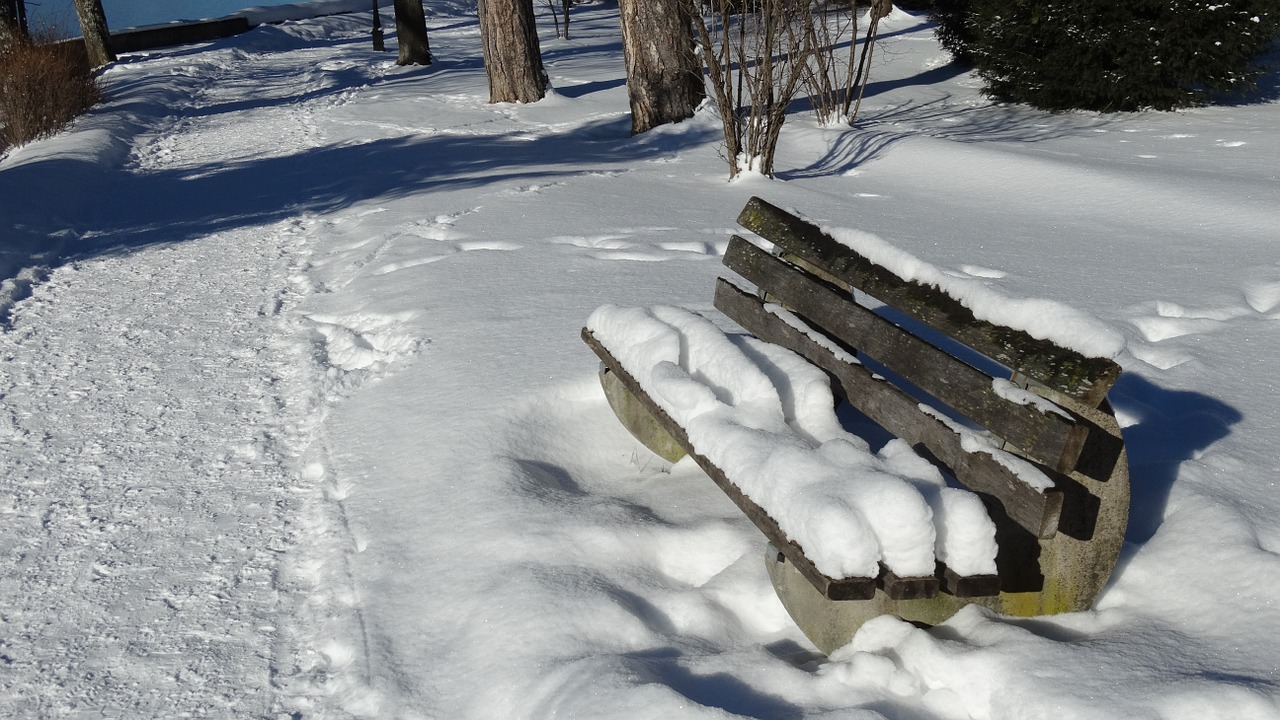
(296, 422)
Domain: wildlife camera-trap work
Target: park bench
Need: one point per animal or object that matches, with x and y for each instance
(1019, 421)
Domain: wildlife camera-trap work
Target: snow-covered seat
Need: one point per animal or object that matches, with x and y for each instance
(971, 383)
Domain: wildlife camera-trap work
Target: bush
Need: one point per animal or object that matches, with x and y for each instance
(949, 17)
(42, 88)
(1112, 55)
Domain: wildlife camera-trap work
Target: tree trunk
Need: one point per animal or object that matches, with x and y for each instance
(512, 55)
(13, 22)
(664, 77)
(379, 45)
(411, 32)
(97, 38)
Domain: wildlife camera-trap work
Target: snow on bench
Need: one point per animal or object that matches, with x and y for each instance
(1005, 398)
(766, 418)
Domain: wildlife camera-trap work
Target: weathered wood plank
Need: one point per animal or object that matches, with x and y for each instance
(967, 586)
(855, 588)
(907, 588)
(900, 414)
(1053, 439)
(1066, 371)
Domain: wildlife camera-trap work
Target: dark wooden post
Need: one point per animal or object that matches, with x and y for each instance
(378, 43)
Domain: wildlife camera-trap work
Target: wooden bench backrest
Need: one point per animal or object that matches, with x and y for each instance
(918, 379)
(814, 278)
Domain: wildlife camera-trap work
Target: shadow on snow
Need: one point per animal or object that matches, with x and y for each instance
(128, 210)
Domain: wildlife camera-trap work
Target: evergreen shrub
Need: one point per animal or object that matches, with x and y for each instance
(1111, 55)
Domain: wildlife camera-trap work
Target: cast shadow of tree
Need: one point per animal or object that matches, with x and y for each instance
(134, 209)
(880, 129)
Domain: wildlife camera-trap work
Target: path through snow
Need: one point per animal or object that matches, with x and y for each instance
(304, 427)
(177, 544)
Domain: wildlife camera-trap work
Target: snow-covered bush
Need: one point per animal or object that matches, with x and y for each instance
(1111, 56)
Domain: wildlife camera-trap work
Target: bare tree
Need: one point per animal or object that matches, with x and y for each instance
(411, 33)
(512, 54)
(879, 10)
(13, 21)
(835, 85)
(97, 37)
(756, 64)
(664, 77)
(565, 5)
(830, 76)
(759, 61)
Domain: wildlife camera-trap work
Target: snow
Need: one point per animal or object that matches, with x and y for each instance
(1008, 391)
(766, 417)
(982, 442)
(1040, 318)
(296, 423)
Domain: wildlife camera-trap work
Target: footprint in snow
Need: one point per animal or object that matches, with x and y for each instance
(645, 244)
(364, 341)
(499, 245)
(1172, 320)
(533, 189)
(1158, 357)
(1263, 297)
(593, 242)
(487, 245)
(692, 246)
(978, 271)
(1167, 320)
(392, 267)
(439, 227)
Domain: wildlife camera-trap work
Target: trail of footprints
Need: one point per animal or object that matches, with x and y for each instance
(647, 244)
(1169, 320)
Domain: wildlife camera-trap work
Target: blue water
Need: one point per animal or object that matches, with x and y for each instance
(132, 13)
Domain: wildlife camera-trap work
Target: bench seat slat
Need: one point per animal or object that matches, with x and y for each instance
(908, 588)
(969, 586)
(855, 588)
(1053, 439)
(900, 414)
(850, 588)
(1071, 373)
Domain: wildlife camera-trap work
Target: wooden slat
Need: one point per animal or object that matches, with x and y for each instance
(1053, 439)
(900, 414)
(907, 588)
(968, 585)
(855, 588)
(1066, 371)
